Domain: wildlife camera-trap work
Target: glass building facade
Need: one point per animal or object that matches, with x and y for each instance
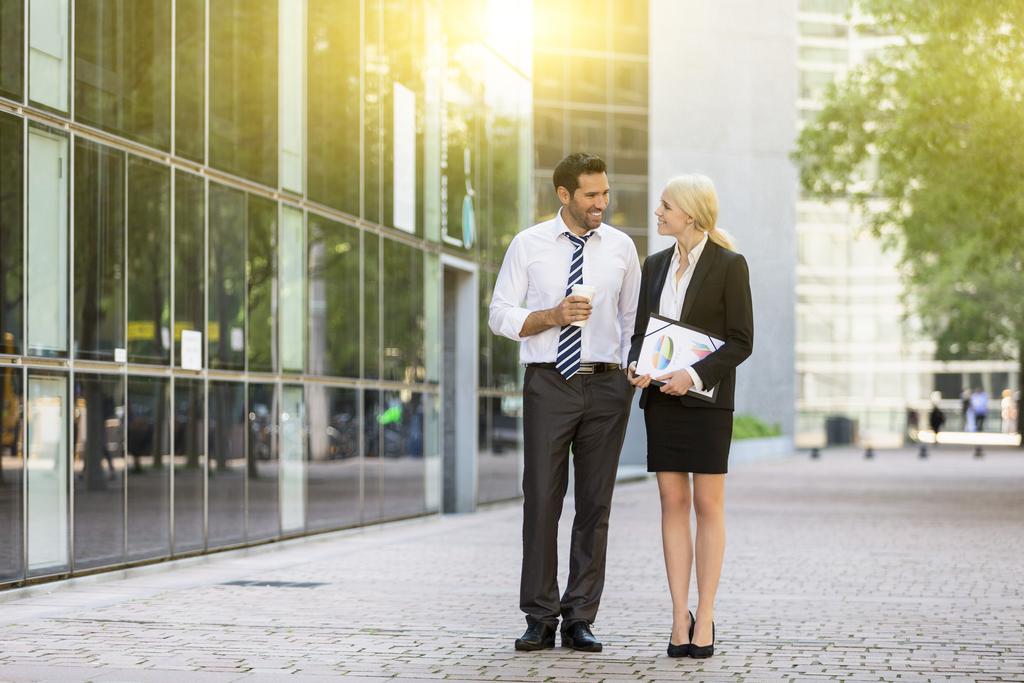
(590, 95)
(223, 225)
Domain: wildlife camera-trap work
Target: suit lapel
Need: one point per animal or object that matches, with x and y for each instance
(660, 273)
(704, 264)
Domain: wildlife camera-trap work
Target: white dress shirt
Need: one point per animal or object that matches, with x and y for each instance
(533, 277)
(673, 294)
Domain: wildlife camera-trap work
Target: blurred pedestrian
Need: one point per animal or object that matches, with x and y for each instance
(979, 408)
(936, 418)
(1008, 412)
(965, 403)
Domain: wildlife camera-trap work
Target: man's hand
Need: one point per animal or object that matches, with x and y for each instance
(641, 382)
(676, 383)
(570, 310)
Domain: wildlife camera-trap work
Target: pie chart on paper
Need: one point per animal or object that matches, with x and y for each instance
(663, 352)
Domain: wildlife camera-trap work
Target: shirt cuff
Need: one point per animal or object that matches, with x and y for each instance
(512, 323)
(697, 384)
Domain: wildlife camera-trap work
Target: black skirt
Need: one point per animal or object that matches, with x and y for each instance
(685, 439)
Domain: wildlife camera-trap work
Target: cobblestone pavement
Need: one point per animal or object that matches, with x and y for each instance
(892, 569)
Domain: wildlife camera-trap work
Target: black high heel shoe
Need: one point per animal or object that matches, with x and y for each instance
(703, 651)
(684, 649)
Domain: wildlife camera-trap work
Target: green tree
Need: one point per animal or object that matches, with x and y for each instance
(925, 139)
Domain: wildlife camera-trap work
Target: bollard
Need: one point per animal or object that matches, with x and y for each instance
(978, 452)
(923, 452)
(869, 453)
(815, 454)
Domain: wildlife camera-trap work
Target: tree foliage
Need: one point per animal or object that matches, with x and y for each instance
(927, 140)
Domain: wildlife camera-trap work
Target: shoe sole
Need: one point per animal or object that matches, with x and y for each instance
(567, 643)
(523, 646)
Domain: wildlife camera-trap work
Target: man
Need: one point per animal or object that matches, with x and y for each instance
(574, 396)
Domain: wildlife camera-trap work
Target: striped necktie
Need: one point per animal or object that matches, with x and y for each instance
(570, 340)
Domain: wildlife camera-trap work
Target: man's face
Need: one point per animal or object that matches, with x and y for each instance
(587, 205)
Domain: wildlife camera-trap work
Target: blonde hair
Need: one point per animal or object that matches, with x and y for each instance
(695, 194)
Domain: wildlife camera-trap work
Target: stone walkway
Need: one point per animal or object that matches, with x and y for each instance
(892, 569)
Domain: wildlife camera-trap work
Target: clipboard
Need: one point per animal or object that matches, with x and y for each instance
(670, 346)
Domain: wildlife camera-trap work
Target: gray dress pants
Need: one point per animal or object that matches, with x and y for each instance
(587, 413)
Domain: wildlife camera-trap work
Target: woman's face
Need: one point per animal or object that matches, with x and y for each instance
(672, 220)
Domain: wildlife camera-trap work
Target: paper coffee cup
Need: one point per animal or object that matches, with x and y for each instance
(586, 291)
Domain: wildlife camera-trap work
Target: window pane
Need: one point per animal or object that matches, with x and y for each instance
(47, 243)
(123, 68)
(588, 133)
(11, 521)
(263, 463)
(189, 255)
(99, 251)
(189, 73)
(629, 208)
(11, 186)
(464, 124)
(371, 306)
(47, 473)
(333, 298)
(484, 335)
(226, 443)
(243, 88)
(372, 430)
(402, 471)
(293, 459)
(189, 465)
(149, 260)
(373, 131)
(403, 313)
(226, 329)
(292, 286)
(48, 54)
(99, 470)
(588, 79)
(548, 137)
(12, 29)
(149, 476)
(261, 269)
(333, 62)
(630, 144)
(506, 197)
(501, 447)
(291, 93)
(332, 483)
(629, 83)
(629, 27)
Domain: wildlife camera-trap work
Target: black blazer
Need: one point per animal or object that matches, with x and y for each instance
(718, 301)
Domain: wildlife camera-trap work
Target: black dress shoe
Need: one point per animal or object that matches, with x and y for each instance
(684, 649)
(704, 651)
(538, 636)
(578, 636)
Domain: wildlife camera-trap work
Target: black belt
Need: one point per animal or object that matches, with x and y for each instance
(585, 368)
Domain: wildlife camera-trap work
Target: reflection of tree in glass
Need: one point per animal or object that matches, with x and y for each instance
(333, 298)
(261, 269)
(149, 236)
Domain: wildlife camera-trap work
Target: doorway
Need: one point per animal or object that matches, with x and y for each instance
(459, 382)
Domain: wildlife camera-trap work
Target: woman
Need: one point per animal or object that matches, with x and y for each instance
(703, 282)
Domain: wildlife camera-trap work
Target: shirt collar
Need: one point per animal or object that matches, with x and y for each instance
(694, 254)
(561, 227)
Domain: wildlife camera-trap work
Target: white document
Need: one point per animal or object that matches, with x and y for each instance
(670, 346)
(191, 350)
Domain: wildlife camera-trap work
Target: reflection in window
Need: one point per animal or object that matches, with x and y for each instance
(189, 74)
(291, 93)
(548, 137)
(12, 30)
(629, 206)
(588, 79)
(149, 473)
(262, 462)
(462, 177)
(99, 470)
(149, 262)
(333, 283)
(629, 85)
(261, 273)
(99, 250)
(11, 464)
(629, 144)
(292, 290)
(47, 473)
(47, 243)
(11, 186)
(333, 62)
(332, 481)
(372, 432)
(226, 328)
(293, 459)
(402, 474)
(122, 68)
(507, 158)
(403, 342)
(189, 465)
(243, 88)
(48, 61)
(226, 443)
(373, 122)
(501, 446)
(189, 255)
(371, 306)
(589, 133)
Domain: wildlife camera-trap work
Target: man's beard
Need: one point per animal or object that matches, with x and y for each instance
(580, 217)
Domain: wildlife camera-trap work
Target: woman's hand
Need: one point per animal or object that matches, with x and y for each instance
(676, 383)
(641, 382)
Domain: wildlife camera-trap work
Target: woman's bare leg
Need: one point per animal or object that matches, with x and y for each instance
(674, 488)
(709, 503)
